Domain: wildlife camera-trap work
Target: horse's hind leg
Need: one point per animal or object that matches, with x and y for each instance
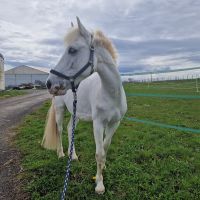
(69, 127)
(109, 132)
(59, 121)
(100, 155)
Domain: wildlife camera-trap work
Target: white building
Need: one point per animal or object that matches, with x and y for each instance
(2, 77)
(25, 74)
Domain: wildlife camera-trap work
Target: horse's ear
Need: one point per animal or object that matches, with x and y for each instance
(72, 24)
(83, 31)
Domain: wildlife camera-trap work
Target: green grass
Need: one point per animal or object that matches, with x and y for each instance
(10, 93)
(185, 87)
(144, 162)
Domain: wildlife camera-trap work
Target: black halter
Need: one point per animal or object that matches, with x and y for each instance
(72, 78)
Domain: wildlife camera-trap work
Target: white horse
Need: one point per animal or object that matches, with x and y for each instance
(101, 97)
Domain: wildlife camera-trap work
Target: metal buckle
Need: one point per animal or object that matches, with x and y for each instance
(71, 80)
(92, 48)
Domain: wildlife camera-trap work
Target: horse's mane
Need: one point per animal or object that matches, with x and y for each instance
(99, 40)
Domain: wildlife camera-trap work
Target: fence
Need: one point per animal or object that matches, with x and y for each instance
(170, 78)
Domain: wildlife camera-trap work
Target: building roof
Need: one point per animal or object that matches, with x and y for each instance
(1, 56)
(23, 69)
(43, 69)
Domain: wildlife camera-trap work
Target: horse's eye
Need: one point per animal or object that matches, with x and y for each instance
(72, 50)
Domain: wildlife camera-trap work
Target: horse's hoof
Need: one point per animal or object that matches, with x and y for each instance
(61, 155)
(100, 189)
(75, 157)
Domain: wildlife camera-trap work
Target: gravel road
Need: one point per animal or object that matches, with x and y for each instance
(12, 111)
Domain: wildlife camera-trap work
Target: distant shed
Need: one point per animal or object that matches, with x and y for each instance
(25, 74)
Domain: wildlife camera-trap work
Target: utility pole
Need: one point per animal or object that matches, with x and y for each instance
(197, 88)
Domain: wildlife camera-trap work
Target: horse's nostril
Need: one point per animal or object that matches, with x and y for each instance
(57, 87)
(48, 84)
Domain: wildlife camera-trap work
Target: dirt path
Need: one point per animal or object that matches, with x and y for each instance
(12, 111)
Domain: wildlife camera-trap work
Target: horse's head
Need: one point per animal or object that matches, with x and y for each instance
(78, 55)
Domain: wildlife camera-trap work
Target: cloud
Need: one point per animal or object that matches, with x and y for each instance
(158, 54)
(149, 34)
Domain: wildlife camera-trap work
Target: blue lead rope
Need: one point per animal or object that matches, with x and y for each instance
(67, 175)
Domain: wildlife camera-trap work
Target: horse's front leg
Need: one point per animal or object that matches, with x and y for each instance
(59, 121)
(100, 155)
(74, 156)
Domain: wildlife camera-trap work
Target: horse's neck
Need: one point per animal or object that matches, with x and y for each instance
(110, 79)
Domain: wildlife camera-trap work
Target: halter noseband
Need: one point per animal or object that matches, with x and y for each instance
(73, 78)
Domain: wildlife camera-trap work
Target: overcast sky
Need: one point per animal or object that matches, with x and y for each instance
(149, 34)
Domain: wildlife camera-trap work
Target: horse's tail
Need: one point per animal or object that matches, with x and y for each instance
(50, 138)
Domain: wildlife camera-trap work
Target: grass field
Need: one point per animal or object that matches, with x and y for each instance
(144, 162)
(10, 93)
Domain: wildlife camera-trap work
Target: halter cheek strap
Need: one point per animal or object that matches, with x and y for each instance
(73, 78)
